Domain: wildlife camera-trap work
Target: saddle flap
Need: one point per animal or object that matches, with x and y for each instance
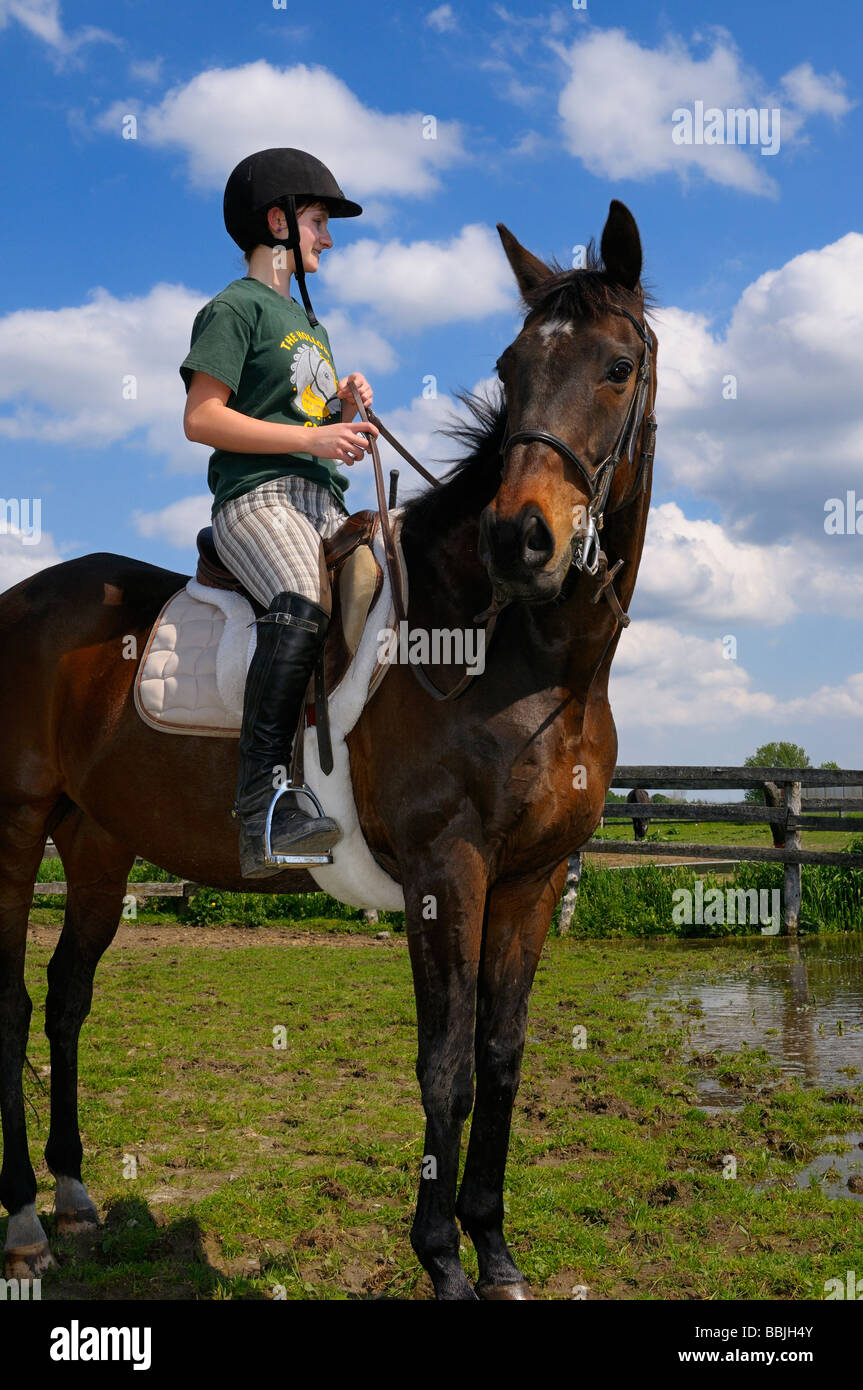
(356, 587)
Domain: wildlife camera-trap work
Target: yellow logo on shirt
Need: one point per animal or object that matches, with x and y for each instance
(313, 375)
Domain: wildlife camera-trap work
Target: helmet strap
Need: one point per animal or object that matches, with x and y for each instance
(289, 208)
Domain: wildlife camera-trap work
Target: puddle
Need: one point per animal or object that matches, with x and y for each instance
(802, 1001)
(833, 1170)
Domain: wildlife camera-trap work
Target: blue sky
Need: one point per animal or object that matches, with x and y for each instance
(543, 114)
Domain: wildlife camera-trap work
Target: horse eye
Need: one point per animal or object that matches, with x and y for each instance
(621, 371)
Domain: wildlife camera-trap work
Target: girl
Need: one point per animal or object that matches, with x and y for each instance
(262, 391)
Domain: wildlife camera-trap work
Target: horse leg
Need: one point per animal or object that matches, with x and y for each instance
(517, 923)
(22, 844)
(444, 950)
(97, 868)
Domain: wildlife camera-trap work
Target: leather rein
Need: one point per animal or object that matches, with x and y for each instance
(587, 553)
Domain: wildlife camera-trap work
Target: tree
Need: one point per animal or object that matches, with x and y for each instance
(782, 754)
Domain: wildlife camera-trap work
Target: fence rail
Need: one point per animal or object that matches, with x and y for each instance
(788, 818)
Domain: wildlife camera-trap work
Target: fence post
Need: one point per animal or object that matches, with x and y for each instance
(189, 891)
(793, 872)
(570, 896)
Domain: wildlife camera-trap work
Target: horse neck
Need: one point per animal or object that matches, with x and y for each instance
(569, 643)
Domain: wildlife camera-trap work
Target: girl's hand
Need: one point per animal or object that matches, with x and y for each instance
(345, 394)
(346, 442)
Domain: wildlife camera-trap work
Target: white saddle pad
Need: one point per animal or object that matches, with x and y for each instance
(191, 680)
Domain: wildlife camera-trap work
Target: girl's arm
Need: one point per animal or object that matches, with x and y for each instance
(208, 419)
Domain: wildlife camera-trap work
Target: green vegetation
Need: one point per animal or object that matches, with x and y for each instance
(639, 901)
(634, 901)
(721, 833)
(259, 1167)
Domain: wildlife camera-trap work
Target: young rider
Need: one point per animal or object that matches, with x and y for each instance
(262, 391)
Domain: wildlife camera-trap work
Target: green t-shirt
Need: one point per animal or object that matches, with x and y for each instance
(279, 368)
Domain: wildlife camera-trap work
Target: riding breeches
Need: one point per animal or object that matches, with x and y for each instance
(270, 538)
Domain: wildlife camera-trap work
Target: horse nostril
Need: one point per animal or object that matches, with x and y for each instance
(537, 545)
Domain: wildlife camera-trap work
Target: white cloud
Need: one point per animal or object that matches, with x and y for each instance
(19, 559)
(224, 114)
(426, 283)
(42, 19)
(144, 70)
(63, 371)
(616, 107)
(694, 571)
(442, 19)
(177, 524)
(792, 438)
(664, 679)
(815, 94)
(358, 347)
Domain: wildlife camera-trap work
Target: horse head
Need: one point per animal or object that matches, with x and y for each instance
(579, 381)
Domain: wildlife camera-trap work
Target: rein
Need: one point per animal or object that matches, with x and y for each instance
(588, 555)
(393, 568)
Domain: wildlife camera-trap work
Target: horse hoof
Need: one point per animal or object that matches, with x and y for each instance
(519, 1291)
(29, 1261)
(78, 1222)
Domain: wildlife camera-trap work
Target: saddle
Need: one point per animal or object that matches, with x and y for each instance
(355, 580)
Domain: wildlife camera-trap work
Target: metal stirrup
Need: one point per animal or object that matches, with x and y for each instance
(299, 857)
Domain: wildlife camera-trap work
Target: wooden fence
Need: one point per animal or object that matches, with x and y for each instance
(788, 817)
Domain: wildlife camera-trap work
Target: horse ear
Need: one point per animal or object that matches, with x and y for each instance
(528, 269)
(621, 246)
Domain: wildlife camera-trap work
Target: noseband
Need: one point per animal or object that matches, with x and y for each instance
(598, 481)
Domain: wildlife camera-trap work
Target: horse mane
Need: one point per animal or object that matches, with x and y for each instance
(471, 483)
(469, 486)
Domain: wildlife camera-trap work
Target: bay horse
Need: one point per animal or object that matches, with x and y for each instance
(473, 805)
(638, 797)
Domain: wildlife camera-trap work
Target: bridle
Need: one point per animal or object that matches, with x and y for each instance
(598, 481)
(587, 554)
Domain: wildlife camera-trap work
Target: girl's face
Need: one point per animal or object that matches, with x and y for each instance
(314, 236)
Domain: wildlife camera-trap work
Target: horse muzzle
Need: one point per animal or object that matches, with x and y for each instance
(519, 554)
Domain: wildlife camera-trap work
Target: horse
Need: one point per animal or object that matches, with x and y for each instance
(473, 804)
(638, 796)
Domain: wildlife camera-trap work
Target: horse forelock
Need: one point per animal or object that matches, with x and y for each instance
(587, 292)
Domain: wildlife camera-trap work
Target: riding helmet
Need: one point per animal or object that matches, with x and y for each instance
(282, 178)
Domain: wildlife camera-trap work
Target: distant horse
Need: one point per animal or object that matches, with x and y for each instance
(474, 805)
(639, 823)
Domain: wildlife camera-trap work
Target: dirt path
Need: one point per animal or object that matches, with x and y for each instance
(631, 861)
(221, 938)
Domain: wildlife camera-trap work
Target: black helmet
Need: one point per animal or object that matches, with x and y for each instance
(280, 178)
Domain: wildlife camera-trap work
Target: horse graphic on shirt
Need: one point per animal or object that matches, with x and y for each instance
(314, 381)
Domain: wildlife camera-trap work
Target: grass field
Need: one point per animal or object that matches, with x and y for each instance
(725, 833)
(260, 1170)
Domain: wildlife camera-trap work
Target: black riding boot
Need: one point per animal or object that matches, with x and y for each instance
(290, 636)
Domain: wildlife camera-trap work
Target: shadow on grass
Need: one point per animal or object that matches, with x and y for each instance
(139, 1253)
